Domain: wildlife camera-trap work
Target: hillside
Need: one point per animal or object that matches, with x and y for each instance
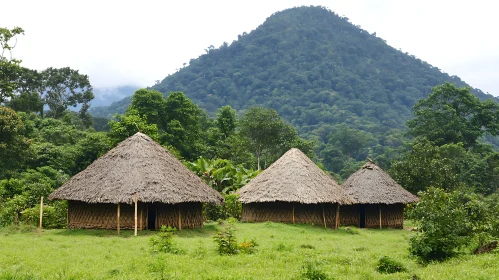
(317, 70)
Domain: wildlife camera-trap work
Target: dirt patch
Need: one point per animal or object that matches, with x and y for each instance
(487, 248)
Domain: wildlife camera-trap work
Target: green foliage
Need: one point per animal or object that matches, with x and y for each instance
(54, 216)
(446, 222)
(387, 265)
(9, 67)
(248, 247)
(226, 120)
(127, 125)
(311, 271)
(13, 144)
(162, 242)
(226, 241)
(452, 115)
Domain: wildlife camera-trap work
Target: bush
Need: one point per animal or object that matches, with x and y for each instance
(226, 241)
(248, 247)
(312, 272)
(163, 241)
(446, 222)
(388, 265)
(232, 208)
(54, 216)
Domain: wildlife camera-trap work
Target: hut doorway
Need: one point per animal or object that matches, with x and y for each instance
(362, 218)
(151, 216)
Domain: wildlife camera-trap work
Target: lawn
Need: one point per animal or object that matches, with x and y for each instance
(283, 252)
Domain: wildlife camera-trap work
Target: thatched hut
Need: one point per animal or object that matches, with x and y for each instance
(136, 180)
(379, 200)
(293, 190)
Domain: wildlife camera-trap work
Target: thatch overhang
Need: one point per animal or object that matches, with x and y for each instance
(293, 178)
(137, 165)
(372, 185)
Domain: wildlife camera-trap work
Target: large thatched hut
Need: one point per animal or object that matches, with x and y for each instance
(379, 200)
(138, 179)
(293, 190)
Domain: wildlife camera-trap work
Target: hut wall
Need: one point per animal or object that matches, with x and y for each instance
(104, 215)
(182, 215)
(283, 212)
(392, 216)
(350, 215)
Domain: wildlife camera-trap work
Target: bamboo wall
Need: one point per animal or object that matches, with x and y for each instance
(286, 212)
(104, 215)
(392, 215)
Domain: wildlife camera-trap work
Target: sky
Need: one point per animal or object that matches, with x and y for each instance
(138, 42)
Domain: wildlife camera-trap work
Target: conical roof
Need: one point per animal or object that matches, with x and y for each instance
(372, 185)
(293, 178)
(138, 164)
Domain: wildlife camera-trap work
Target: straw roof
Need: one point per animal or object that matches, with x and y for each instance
(138, 164)
(293, 178)
(372, 185)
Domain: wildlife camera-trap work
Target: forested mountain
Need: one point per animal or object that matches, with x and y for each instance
(324, 75)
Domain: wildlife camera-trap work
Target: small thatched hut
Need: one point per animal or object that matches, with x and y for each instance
(293, 190)
(379, 200)
(136, 178)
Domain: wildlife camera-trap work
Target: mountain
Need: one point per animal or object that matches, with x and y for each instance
(317, 70)
(110, 97)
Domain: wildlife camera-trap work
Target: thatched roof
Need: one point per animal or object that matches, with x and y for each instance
(372, 185)
(293, 178)
(138, 164)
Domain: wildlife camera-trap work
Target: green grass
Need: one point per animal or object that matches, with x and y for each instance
(284, 252)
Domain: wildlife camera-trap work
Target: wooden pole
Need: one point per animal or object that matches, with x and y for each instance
(337, 224)
(41, 212)
(135, 216)
(380, 225)
(293, 213)
(323, 216)
(179, 219)
(118, 218)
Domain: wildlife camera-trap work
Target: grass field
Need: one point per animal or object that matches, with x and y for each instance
(283, 252)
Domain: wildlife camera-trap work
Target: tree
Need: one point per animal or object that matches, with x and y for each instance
(13, 144)
(151, 104)
(127, 125)
(9, 67)
(65, 87)
(269, 135)
(226, 120)
(453, 115)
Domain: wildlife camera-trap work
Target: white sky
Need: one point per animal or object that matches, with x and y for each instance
(138, 42)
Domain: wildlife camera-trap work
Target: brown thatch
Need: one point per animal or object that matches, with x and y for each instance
(137, 165)
(371, 185)
(293, 178)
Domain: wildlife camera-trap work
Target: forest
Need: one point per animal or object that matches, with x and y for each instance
(307, 79)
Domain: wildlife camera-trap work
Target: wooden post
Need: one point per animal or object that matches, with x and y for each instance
(179, 219)
(324, 216)
(337, 223)
(118, 219)
(135, 216)
(293, 213)
(41, 212)
(380, 225)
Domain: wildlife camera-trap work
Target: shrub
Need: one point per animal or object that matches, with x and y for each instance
(226, 241)
(446, 222)
(54, 216)
(312, 272)
(388, 265)
(162, 242)
(232, 208)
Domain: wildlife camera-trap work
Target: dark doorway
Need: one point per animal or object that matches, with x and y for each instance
(362, 211)
(151, 216)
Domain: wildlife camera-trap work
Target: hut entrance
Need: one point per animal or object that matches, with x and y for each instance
(151, 216)
(362, 213)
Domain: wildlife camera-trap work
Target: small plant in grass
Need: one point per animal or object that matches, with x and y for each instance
(388, 265)
(312, 272)
(226, 241)
(248, 247)
(163, 241)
